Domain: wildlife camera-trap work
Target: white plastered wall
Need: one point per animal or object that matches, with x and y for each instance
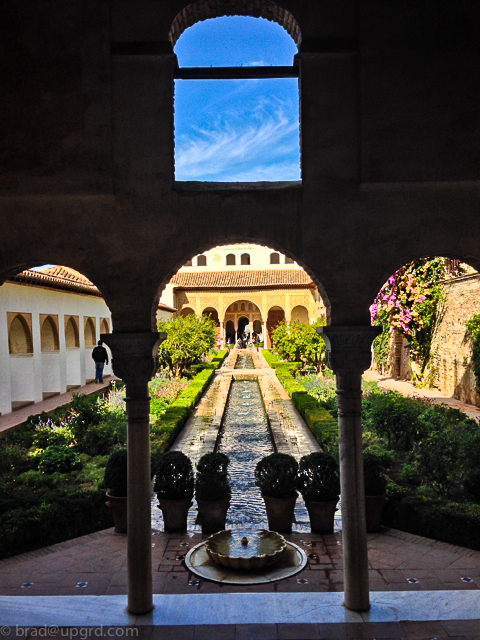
(27, 376)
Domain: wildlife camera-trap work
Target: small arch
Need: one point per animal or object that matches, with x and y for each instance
(242, 323)
(257, 327)
(300, 314)
(187, 311)
(205, 9)
(90, 332)
(213, 313)
(231, 260)
(19, 336)
(274, 258)
(188, 263)
(289, 260)
(202, 261)
(245, 259)
(104, 325)
(72, 340)
(242, 306)
(275, 316)
(49, 335)
(230, 331)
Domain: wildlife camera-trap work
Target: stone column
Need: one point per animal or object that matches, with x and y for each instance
(265, 336)
(222, 333)
(348, 354)
(134, 360)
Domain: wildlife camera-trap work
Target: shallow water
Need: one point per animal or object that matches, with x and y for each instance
(244, 361)
(245, 439)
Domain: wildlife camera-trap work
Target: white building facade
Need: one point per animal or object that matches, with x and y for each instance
(50, 321)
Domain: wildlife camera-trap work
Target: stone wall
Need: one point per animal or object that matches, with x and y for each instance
(452, 369)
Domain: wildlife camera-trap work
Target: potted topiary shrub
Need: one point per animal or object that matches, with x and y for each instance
(174, 482)
(276, 476)
(319, 484)
(375, 491)
(115, 481)
(212, 491)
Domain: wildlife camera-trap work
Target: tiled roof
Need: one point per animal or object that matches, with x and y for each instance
(57, 277)
(241, 279)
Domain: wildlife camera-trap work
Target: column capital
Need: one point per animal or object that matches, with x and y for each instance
(348, 349)
(134, 355)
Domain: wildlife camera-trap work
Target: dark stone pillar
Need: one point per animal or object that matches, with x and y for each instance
(134, 360)
(349, 355)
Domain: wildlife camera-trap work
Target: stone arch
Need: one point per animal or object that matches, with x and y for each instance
(104, 325)
(242, 323)
(230, 259)
(187, 311)
(230, 331)
(213, 313)
(19, 336)
(90, 332)
(72, 340)
(245, 259)
(205, 9)
(275, 315)
(49, 335)
(300, 314)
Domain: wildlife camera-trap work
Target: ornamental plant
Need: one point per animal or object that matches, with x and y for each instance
(174, 476)
(299, 342)
(408, 303)
(276, 476)
(375, 481)
(115, 478)
(187, 340)
(318, 477)
(212, 481)
(473, 333)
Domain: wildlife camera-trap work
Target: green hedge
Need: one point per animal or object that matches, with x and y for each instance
(215, 363)
(166, 428)
(62, 515)
(452, 522)
(275, 363)
(323, 426)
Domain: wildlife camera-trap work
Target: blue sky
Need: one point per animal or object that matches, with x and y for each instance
(236, 130)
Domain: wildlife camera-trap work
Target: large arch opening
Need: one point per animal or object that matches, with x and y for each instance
(240, 124)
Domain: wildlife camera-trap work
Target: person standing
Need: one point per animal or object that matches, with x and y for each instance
(100, 357)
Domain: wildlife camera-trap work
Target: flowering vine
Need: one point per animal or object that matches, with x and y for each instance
(408, 302)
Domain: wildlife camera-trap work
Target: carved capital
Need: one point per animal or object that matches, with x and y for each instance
(348, 349)
(134, 355)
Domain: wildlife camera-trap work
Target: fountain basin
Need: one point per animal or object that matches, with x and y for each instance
(253, 550)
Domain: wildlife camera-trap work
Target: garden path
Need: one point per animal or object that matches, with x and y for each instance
(11, 421)
(408, 389)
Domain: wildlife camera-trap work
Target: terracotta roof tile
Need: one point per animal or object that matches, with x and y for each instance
(57, 277)
(241, 279)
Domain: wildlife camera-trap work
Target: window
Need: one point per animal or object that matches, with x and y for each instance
(71, 333)
(189, 263)
(231, 259)
(49, 335)
(90, 332)
(240, 124)
(289, 260)
(202, 261)
(19, 336)
(104, 325)
(274, 258)
(245, 258)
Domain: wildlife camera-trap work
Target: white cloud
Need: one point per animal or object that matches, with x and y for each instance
(264, 147)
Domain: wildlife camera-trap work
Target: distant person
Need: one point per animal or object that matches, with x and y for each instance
(100, 357)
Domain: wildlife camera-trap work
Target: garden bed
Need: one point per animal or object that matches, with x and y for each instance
(52, 468)
(430, 453)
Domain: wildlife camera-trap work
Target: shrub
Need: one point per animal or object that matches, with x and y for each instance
(394, 417)
(409, 475)
(318, 477)
(58, 458)
(375, 481)
(276, 476)
(115, 477)
(98, 439)
(212, 481)
(386, 457)
(174, 476)
(13, 458)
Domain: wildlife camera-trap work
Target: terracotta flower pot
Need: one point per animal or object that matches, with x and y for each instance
(175, 514)
(373, 511)
(280, 513)
(322, 515)
(119, 512)
(213, 514)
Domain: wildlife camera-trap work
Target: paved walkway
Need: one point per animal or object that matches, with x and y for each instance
(408, 389)
(12, 421)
